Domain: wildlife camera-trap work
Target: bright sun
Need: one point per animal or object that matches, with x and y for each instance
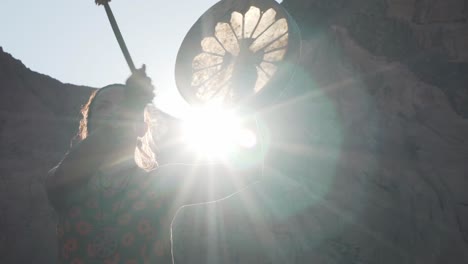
(214, 133)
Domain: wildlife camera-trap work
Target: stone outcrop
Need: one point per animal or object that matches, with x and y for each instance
(428, 36)
(38, 118)
(372, 170)
(371, 144)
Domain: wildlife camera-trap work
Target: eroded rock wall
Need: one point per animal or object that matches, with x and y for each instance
(370, 146)
(370, 167)
(38, 117)
(428, 36)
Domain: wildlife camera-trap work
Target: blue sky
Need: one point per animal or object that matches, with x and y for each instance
(73, 42)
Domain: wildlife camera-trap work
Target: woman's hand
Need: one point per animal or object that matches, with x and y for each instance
(139, 91)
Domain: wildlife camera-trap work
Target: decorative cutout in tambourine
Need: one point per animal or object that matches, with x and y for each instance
(238, 52)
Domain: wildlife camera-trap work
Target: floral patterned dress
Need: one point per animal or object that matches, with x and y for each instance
(115, 218)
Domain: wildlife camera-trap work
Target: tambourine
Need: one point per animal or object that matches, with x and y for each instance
(238, 52)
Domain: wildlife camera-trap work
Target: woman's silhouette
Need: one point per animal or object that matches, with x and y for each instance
(116, 192)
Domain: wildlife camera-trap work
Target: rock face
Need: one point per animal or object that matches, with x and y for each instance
(367, 148)
(428, 36)
(369, 145)
(37, 116)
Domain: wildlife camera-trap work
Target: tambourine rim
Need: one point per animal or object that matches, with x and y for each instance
(273, 87)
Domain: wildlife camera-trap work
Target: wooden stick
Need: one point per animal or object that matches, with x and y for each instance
(119, 37)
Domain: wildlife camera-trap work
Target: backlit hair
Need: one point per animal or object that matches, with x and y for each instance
(145, 156)
(86, 113)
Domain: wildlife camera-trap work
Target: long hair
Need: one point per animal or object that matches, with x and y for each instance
(145, 150)
(86, 113)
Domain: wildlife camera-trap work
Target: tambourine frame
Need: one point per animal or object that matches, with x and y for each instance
(205, 26)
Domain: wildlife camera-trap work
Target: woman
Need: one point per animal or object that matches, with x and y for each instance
(114, 206)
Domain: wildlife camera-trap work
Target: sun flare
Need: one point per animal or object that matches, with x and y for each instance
(214, 133)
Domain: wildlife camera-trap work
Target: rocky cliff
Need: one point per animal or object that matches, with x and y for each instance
(373, 141)
(38, 117)
(369, 147)
(428, 36)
